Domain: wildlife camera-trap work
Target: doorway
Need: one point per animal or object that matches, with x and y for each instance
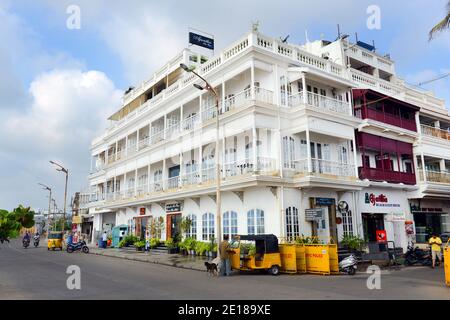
(173, 226)
(371, 223)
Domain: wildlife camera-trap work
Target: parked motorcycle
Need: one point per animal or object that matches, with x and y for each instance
(414, 255)
(79, 246)
(26, 243)
(349, 265)
(36, 241)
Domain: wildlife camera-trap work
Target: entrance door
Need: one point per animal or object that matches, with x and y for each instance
(173, 226)
(371, 223)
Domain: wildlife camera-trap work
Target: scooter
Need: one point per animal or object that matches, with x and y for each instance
(81, 245)
(349, 265)
(415, 255)
(26, 243)
(36, 241)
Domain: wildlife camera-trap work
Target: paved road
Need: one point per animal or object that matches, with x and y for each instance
(36, 273)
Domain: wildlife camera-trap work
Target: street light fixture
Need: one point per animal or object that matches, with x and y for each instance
(49, 198)
(210, 88)
(66, 171)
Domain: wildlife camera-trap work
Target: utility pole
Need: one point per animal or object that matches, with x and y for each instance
(49, 199)
(66, 171)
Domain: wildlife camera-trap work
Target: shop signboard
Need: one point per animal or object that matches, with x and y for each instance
(173, 207)
(314, 214)
(324, 201)
(76, 219)
(142, 211)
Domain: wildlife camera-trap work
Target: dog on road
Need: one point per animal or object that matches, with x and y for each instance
(212, 267)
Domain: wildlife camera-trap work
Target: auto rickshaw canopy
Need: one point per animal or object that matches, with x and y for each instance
(264, 243)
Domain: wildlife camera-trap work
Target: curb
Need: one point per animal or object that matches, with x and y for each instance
(146, 260)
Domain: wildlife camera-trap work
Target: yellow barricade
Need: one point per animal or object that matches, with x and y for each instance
(288, 258)
(334, 261)
(447, 264)
(317, 259)
(300, 258)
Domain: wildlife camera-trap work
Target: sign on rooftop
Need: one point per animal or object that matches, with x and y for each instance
(202, 41)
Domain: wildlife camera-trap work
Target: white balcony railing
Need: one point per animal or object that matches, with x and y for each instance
(190, 123)
(190, 178)
(157, 136)
(245, 166)
(435, 176)
(435, 132)
(320, 166)
(144, 143)
(173, 183)
(316, 100)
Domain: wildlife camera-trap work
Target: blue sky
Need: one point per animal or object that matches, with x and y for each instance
(58, 85)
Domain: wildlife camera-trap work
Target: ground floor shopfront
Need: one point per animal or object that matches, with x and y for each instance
(283, 211)
(430, 216)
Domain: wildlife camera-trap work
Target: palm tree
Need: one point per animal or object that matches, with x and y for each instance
(442, 25)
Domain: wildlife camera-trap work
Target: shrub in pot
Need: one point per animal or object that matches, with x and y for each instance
(154, 242)
(171, 246)
(139, 245)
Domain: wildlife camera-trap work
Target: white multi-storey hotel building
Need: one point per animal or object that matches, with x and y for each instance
(322, 125)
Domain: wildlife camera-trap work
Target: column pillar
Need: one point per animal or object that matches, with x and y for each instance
(117, 150)
(148, 177)
(305, 92)
(254, 144)
(424, 171)
(277, 86)
(442, 165)
(252, 79)
(135, 180)
(308, 150)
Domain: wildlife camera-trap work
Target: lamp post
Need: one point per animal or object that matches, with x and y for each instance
(49, 198)
(66, 171)
(210, 88)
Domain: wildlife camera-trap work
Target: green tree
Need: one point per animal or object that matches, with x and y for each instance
(12, 222)
(442, 25)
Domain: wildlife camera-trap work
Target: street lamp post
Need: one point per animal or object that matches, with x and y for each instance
(49, 198)
(66, 171)
(210, 88)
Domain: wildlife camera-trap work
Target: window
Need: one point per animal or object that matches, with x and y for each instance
(347, 222)
(192, 232)
(292, 225)
(207, 226)
(343, 155)
(230, 223)
(366, 162)
(255, 221)
(289, 152)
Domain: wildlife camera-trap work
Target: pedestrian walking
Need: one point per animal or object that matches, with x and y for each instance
(436, 244)
(225, 265)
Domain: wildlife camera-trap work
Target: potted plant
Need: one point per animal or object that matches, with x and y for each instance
(154, 242)
(191, 246)
(214, 251)
(353, 244)
(199, 248)
(139, 245)
(171, 246)
(182, 247)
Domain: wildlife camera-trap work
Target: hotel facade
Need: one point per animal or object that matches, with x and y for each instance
(324, 125)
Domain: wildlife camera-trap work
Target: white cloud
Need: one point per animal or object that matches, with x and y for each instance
(67, 111)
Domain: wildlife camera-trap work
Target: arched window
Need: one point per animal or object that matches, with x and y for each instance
(157, 176)
(255, 221)
(230, 223)
(207, 226)
(192, 232)
(292, 224)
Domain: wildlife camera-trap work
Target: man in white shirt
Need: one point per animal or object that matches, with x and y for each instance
(104, 239)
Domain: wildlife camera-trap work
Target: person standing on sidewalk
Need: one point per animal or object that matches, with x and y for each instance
(225, 266)
(104, 239)
(436, 244)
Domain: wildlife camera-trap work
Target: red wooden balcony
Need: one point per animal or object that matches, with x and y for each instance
(391, 119)
(375, 174)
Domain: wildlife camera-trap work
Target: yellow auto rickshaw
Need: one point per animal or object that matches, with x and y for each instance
(55, 240)
(266, 255)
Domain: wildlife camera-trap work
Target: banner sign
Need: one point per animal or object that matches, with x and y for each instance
(173, 207)
(314, 214)
(201, 41)
(142, 211)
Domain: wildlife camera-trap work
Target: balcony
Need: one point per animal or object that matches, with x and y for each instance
(435, 176)
(318, 101)
(322, 167)
(435, 132)
(374, 174)
(388, 118)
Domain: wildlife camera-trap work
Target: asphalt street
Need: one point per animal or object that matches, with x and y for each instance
(35, 273)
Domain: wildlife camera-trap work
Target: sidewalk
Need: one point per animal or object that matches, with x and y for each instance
(173, 260)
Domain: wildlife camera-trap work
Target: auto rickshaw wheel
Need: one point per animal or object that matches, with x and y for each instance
(274, 270)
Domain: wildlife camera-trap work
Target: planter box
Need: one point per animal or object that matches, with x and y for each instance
(172, 250)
